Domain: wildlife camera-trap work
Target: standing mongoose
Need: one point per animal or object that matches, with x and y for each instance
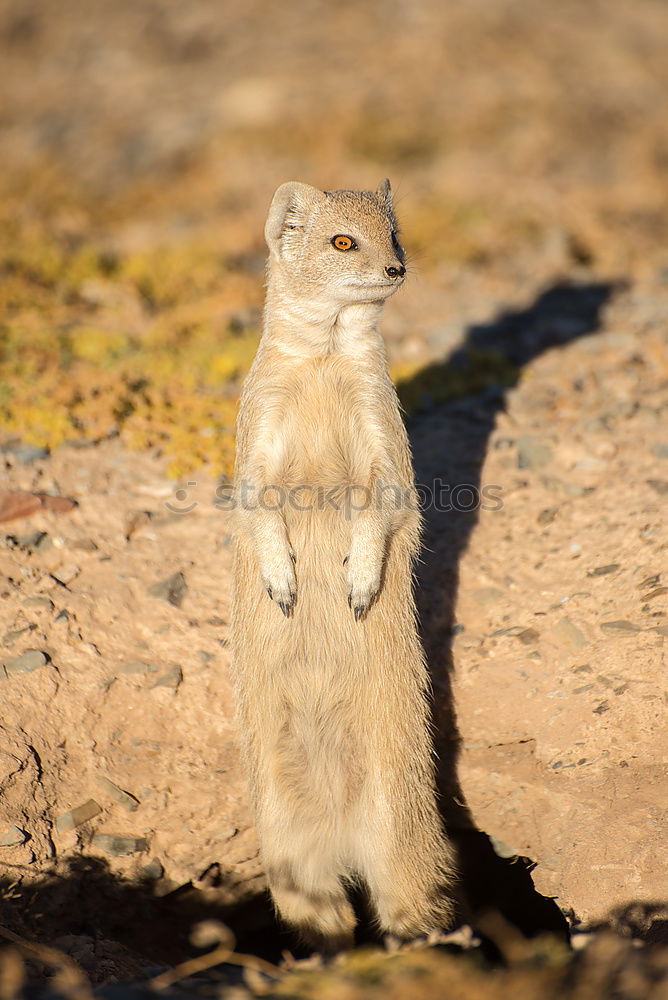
(330, 675)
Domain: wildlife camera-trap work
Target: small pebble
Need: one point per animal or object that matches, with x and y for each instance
(529, 636)
(171, 679)
(548, 515)
(532, 453)
(620, 627)
(660, 450)
(11, 637)
(80, 814)
(66, 574)
(653, 594)
(44, 603)
(120, 846)
(603, 570)
(36, 541)
(154, 870)
(31, 660)
(172, 589)
(26, 453)
(569, 634)
(126, 799)
(659, 486)
(502, 850)
(137, 667)
(12, 836)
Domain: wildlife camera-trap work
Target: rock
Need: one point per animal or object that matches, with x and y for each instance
(532, 453)
(568, 634)
(126, 799)
(653, 594)
(80, 814)
(62, 616)
(10, 637)
(548, 515)
(27, 453)
(36, 541)
(66, 574)
(138, 667)
(620, 628)
(154, 870)
(12, 837)
(120, 845)
(659, 486)
(603, 570)
(31, 660)
(660, 450)
(502, 850)
(171, 679)
(138, 519)
(575, 490)
(529, 636)
(43, 603)
(172, 589)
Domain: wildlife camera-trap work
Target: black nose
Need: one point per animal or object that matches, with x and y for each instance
(395, 272)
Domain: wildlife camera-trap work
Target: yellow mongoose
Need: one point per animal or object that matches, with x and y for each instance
(330, 675)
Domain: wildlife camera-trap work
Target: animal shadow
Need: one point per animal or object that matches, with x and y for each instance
(449, 444)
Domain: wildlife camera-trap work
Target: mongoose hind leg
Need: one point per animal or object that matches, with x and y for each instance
(409, 876)
(324, 918)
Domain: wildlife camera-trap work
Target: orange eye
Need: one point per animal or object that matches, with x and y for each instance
(343, 243)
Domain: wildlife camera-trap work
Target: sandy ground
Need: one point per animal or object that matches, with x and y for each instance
(545, 618)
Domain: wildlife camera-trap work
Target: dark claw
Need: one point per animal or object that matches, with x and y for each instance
(269, 591)
(287, 606)
(359, 612)
(345, 561)
(350, 600)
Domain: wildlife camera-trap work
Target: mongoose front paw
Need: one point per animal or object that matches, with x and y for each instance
(362, 591)
(281, 585)
(284, 598)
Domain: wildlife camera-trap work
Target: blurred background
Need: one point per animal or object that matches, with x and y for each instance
(142, 142)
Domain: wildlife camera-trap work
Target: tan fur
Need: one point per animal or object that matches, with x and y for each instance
(330, 675)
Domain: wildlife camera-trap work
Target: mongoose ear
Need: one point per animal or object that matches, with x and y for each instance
(289, 210)
(384, 191)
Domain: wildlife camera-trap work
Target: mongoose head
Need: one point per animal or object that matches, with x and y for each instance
(340, 246)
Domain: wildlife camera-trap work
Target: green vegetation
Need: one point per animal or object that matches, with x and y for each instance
(144, 345)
